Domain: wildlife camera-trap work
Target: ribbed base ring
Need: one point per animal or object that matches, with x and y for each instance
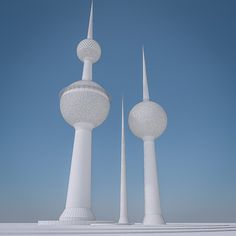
(77, 214)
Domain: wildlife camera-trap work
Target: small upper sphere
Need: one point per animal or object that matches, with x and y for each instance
(88, 49)
(84, 102)
(147, 119)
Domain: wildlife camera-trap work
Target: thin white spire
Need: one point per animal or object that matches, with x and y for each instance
(122, 126)
(123, 192)
(87, 68)
(145, 82)
(90, 26)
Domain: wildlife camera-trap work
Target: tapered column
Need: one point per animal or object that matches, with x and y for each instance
(123, 195)
(78, 203)
(87, 70)
(152, 211)
(123, 192)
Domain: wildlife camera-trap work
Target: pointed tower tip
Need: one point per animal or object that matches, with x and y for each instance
(122, 122)
(90, 27)
(145, 83)
(122, 112)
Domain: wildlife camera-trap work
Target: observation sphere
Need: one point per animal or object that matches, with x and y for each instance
(88, 49)
(84, 102)
(147, 119)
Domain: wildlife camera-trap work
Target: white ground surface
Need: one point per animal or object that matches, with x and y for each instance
(109, 229)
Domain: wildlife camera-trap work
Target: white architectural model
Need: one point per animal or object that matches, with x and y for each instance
(148, 120)
(84, 105)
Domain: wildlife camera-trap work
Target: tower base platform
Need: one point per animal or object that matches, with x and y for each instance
(107, 229)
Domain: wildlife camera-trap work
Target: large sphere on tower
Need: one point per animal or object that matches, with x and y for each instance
(84, 102)
(147, 119)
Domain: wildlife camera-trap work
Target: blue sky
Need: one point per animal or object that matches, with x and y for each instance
(191, 62)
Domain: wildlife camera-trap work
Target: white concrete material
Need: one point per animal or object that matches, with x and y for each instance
(145, 83)
(84, 102)
(84, 105)
(148, 120)
(88, 50)
(118, 230)
(152, 208)
(70, 222)
(78, 203)
(90, 27)
(123, 191)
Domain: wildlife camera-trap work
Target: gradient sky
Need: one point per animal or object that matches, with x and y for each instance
(191, 62)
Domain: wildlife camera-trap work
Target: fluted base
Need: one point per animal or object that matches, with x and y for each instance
(153, 220)
(77, 215)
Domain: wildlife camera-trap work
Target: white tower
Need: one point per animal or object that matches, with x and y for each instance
(148, 120)
(84, 105)
(123, 192)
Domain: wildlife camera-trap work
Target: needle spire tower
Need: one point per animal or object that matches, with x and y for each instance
(123, 192)
(148, 120)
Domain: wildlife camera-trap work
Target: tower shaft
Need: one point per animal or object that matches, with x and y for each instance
(123, 192)
(152, 207)
(78, 203)
(87, 70)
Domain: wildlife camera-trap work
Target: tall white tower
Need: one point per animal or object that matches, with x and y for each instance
(84, 105)
(123, 191)
(148, 120)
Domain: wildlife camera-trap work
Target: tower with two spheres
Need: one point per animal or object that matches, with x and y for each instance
(85, 105)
